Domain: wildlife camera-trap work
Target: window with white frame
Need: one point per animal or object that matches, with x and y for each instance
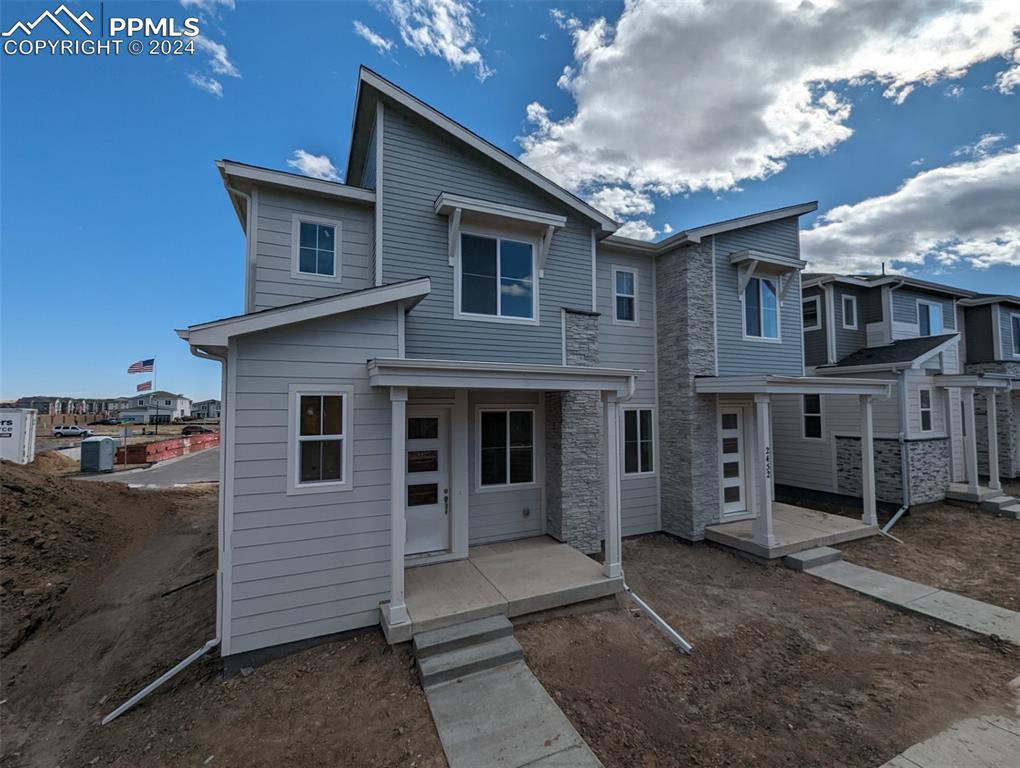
(506, 447)
(315, 251)
(929, 318)
(319, 439)
(624, 295)
(812, 313)
(1014, 327)
(924, 396)
(497, 277)
(850, 312)
(812, 409)
(638, 441)
(761, 309)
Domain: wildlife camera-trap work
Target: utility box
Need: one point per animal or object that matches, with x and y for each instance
(97, 454)
(17, 434)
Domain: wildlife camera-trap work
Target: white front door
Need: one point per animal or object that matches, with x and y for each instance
(428, 480)
(732, 465)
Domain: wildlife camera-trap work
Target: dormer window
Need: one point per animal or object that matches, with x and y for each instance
(497, 277)
(850, 312)
(929, 318)
(761, 309)
(315, 248)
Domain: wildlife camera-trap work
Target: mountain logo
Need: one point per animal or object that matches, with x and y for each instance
(63, 12)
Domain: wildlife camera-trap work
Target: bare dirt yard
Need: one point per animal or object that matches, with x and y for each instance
(96, 605)
(955, 548)
(787, 670)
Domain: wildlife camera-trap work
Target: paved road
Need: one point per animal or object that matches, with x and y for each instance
(201, 467)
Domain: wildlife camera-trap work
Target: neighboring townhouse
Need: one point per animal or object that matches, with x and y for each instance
(449, 356)
(206, 409)
(158, 407)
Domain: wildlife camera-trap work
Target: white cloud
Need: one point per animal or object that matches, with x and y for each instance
(208, 84)
(219, 59)
(316, 166)
(1009, 78)
(373, 38)
(918, 161)
(954, 91)
(981, 147)
(617, 202)
(211, 7)
(442, 28)
(967, 213)
(639, 229)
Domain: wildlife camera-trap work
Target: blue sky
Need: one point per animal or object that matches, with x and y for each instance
(115, 227)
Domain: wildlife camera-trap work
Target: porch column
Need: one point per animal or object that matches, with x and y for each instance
(612, 566)
(868, 463)
(397, 609)
(993, 442)
(970, 439)
(763, 535)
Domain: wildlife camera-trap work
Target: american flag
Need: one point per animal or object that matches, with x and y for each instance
(145, 385)
(142, 366)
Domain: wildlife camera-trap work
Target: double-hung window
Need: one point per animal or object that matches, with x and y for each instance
(1014, 327)
(638, 441)
(497, 277)
(924, 396)
(624, 295)
(506, 447)
(319, 439)
(929, 318)
(761, 309)
(812, 409)
(850, 312)
(812, 313)
(315, 251)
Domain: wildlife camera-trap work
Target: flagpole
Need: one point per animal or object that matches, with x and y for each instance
(155, 390)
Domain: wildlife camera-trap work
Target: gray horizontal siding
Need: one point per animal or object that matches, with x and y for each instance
(978, 322)
(274, 285)
(848, 341)
(419, 164)
(1005, 331)
(308, 565)
(904, 301)
(815, 352)
(735, 354)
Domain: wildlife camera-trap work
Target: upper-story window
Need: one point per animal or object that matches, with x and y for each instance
(315, 251)
(929, 318)
(761, 309)
(849, 304)
(924, 407)
(1014, 327)
(497, 278)
(624, 295)
(812, 312)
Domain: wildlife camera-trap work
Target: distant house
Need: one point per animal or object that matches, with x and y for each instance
(206, 409)
(155, 408)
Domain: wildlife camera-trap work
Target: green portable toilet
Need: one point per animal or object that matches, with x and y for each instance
(97, 454)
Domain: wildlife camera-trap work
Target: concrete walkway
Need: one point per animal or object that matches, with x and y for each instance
(504, 717)
(200, 467)
(981, 742)
(934, 603)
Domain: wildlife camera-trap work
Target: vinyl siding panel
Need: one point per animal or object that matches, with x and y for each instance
(274, 285)
(815, 352)
(848, 340)
(418, 165)
(1005, 331)
(978, 322)
(904, 301)
(743, 356)
(307, 565)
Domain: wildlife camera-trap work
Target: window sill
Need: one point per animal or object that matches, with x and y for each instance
(506, 488)
(314, 488)
(626, 323)
(315, 278)
(496, 319)
(636, 475)
(763, 339)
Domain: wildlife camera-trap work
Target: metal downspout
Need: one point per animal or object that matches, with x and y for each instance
(904, 462)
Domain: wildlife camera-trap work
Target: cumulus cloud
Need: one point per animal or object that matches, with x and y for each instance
(373, 38)
(618, 202)
(442, 28)
(966, 213)
(219, 59)
(210, 7)
(638, 229)
(316, 166)
(981, 147)
(208, 84)
(679, 97)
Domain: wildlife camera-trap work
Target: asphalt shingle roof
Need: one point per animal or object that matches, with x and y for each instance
(901, 351)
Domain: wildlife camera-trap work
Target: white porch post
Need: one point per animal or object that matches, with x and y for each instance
(970, 440)
(612, 566)
(763, 535)
(398, 525)
(868, 462)
(993, 442)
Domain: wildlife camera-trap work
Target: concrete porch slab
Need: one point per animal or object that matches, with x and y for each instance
(449, 593)
(962, 492)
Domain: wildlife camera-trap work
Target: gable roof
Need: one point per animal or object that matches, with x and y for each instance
(372, 85)
(900, 354)
(981, 299)
(872, 281)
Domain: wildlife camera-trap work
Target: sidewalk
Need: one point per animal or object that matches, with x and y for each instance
(981, 742)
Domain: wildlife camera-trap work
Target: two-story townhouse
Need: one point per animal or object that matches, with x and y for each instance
(158, 407)
(448, 362)
(206, 409)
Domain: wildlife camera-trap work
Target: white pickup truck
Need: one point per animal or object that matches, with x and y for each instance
(71, 430)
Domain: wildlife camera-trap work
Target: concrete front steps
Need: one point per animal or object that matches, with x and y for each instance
(452, 652)
(810, 558)
(1004, 506)
(994, 502)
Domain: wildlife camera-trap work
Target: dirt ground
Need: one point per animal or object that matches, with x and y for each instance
(110, 623)
(787, 670)
(949, 547)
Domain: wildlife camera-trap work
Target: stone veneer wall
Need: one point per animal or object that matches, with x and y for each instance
(688, 452)
(1006, 421)
(573, 449)
(929, 469)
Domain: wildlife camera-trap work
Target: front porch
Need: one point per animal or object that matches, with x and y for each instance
(794, 529)
(511, 578)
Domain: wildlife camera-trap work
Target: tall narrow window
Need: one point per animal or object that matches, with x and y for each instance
(929, 318)
(315, 251)
(638, 441)
(761, 309)
(812, 407)
(850, 312)
(924, 396)
(812, 314)
(625, 295)
(1014, 327)
(506, 447)
(497, 277)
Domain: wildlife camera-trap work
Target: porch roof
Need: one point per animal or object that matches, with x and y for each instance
(790, 385)
(466, 374)
(976, 380)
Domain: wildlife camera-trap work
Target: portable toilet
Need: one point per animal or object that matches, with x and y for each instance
(97, 454)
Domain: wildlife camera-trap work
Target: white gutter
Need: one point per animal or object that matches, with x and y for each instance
(904, 463)
(249, 256)
(677, 639)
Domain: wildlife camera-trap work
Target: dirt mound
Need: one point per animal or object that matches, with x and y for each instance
(54, 462)
(54, 533)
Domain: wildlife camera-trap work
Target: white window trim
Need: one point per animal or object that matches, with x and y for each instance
(623, 441)
(842, 310)
(633, 272)
(1014, 341)
(821, 420)
(498, 234)
(294, 393)
(295, 248)
(507, 486)
(942, 314)
(779, 314)
(817, 301)
(930, 409)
